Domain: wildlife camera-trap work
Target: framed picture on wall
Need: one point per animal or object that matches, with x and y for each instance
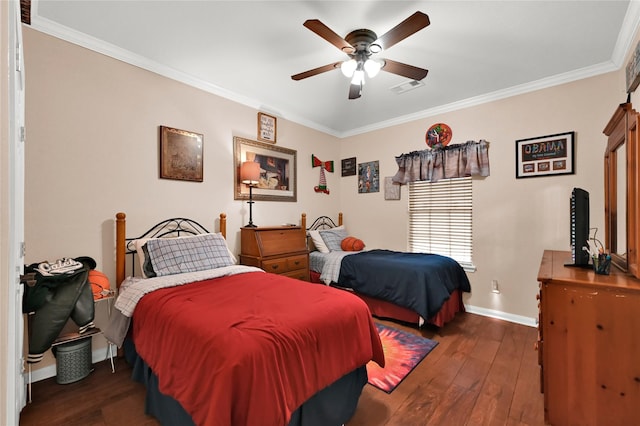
(180, 154)
(369, 177)
(278, 178)
(545, 155)
(349, 166)
(632, 70)
(267, 127)
(391, 190)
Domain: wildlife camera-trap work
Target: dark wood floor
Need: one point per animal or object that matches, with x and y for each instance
(483, 372)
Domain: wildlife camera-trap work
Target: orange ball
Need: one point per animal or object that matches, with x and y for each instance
(99, 284)
(352, 244)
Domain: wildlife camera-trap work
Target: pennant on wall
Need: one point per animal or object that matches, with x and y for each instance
(324, 165)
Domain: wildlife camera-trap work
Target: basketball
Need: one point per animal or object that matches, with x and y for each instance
(99, 284)
(352, 244)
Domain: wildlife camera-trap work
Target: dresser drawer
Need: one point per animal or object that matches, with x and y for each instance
(300, 274)
(286, 264)
(276, 266)
(297, 262)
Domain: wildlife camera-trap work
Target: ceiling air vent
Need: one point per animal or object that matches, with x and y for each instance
(405, 87)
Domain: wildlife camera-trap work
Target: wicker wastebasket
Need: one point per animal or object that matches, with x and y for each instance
(73, 361)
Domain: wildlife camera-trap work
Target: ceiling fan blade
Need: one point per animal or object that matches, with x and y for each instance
(328, 34)
(404, 70)
(354, 91)
(404, 29)
(316, 71)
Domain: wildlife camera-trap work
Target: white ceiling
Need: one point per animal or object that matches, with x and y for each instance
(475, 51)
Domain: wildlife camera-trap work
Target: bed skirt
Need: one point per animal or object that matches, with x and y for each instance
(383, 309)
(333, 405)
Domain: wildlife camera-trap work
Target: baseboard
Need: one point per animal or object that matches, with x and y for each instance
(97, 355)
(518, 319)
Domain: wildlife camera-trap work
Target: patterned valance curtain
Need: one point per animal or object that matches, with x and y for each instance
(452, 161)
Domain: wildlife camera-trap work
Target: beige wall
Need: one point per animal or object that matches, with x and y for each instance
(93, 151)
(514, 219)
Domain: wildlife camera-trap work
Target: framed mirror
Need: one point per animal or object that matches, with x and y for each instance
(620, 175)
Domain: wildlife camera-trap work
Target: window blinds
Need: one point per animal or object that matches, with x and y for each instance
(440, 218)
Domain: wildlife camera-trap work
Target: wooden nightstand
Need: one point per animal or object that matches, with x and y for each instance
(280, 250)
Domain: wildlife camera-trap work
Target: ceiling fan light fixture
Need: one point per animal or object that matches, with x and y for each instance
(348, 67)
(372, 67)
(358, 77)
(360, 45)
(375, 48)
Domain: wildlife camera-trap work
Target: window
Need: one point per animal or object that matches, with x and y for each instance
(440, 219)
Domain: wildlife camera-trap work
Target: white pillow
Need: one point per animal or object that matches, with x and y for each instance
(142, 256)
(318, 241)
(140, 253)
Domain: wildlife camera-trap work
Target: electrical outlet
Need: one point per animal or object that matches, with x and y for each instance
(494, 287)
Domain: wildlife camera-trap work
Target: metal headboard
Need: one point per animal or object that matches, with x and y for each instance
(173, 227)
(169, 228)
(323, 222)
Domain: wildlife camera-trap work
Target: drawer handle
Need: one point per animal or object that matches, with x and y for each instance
(297, 262)
(274, 266)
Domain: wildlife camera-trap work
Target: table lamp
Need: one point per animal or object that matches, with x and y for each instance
(249, 175)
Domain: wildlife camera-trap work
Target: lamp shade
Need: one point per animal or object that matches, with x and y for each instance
(250, 172)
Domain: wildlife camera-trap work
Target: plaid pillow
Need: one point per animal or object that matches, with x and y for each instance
(333, 237)
(170, 256)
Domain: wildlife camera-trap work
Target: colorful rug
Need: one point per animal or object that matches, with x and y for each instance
(403, 351)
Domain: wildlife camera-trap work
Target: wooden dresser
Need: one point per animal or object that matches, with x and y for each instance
(589, 344)
(280, 250)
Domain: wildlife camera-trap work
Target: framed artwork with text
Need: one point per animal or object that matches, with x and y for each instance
(545, 155)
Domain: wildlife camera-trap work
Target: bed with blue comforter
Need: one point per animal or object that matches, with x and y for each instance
(417, 281)
(411, 287)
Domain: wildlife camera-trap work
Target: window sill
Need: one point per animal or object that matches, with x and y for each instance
(469, 267)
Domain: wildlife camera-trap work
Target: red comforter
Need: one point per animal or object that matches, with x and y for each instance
(249, 349)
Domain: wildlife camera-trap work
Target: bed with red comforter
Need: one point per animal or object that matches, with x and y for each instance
(245, 347)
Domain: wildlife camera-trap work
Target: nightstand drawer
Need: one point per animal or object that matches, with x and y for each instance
(276, 266)
(297, 262)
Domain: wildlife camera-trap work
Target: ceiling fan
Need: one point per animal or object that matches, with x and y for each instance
(360, 45)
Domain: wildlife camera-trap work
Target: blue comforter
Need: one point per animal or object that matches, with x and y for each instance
(417, 281)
